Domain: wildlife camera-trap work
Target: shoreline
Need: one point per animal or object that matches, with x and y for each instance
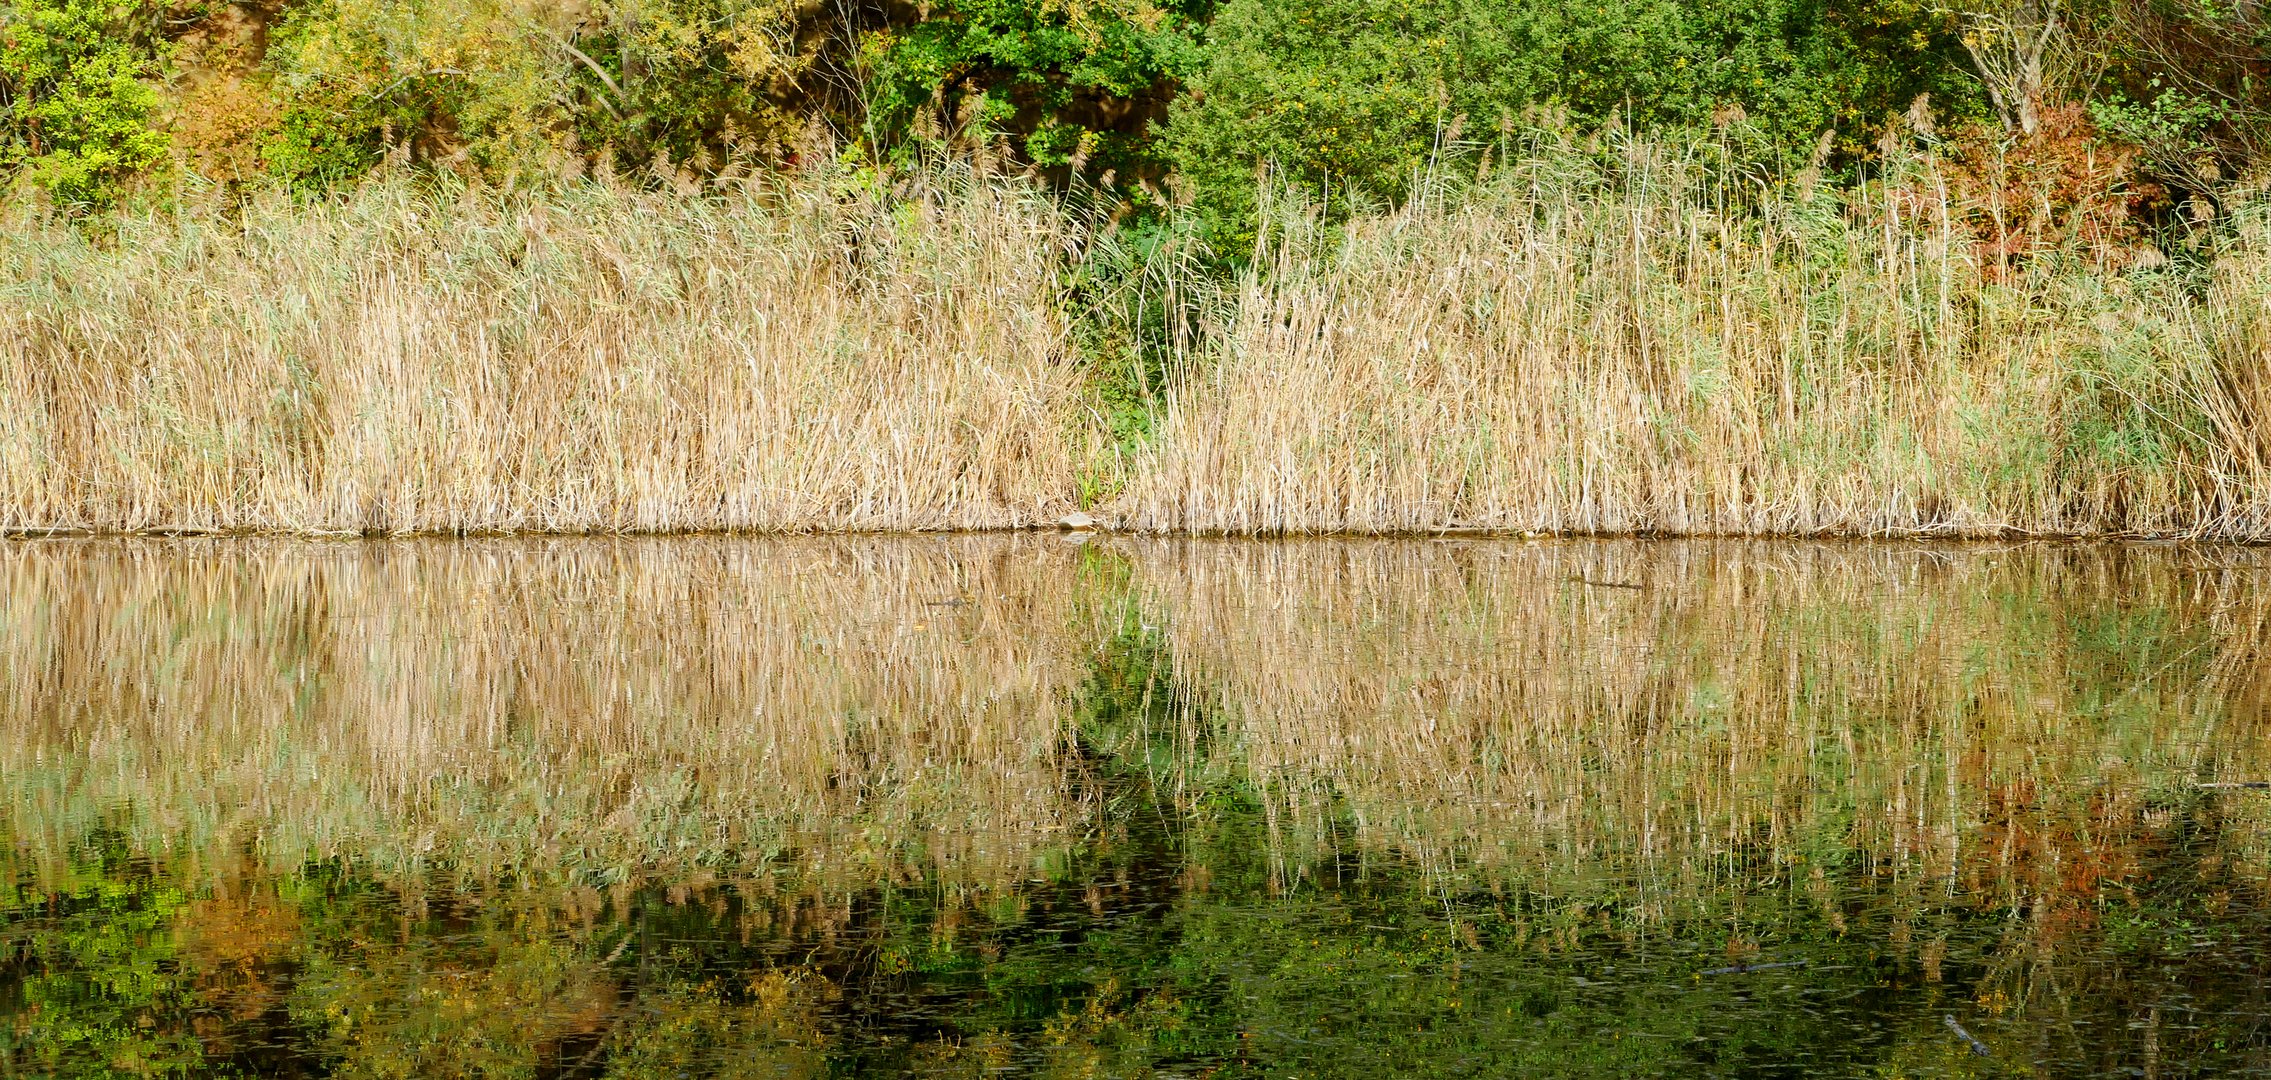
(1930, 537)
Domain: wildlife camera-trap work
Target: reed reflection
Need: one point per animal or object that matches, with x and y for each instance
(963, 804)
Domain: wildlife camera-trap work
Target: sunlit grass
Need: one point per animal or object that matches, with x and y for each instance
(1642, 339)
(598, 360)
(1633, 336)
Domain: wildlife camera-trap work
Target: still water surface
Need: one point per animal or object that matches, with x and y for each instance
(1010, 805)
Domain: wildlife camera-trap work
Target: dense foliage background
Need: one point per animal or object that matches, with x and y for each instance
(1158, 102)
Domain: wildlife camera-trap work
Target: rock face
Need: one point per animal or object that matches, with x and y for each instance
(1077, 520)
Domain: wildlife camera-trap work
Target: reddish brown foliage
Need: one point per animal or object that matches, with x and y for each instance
(2064, 188)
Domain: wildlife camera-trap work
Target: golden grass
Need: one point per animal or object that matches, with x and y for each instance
(602, 360)
(1575, 348)
(1636, 339)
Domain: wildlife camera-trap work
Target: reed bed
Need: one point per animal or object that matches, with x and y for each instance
(594, 714)
(1641, 340)
(407, 360)
(1632, 337)
(1573, 714)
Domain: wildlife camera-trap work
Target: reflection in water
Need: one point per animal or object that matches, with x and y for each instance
(960, 806)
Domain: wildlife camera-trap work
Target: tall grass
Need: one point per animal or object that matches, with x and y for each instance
(1630, 337)
(599, 360)
(1642, 340)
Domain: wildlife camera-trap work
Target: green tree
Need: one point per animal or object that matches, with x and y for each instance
(2192, 88)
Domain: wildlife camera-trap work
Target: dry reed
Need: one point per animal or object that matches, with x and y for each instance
(1653, 346)
(1641, 339)
(602, 360)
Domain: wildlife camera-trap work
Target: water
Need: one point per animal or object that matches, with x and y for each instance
(987, 805)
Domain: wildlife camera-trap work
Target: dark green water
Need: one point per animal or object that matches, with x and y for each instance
(541, 809)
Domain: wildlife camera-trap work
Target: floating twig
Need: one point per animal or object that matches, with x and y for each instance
(1745, 969)
(1977, 1047)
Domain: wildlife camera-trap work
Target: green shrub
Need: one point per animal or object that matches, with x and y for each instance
(696, 80)
(76, 96)
(1357, 97)
(2192, 85)
(1073, 83)
(510, 90)
(465, 84)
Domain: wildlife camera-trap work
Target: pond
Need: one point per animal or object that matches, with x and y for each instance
(980, 805)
